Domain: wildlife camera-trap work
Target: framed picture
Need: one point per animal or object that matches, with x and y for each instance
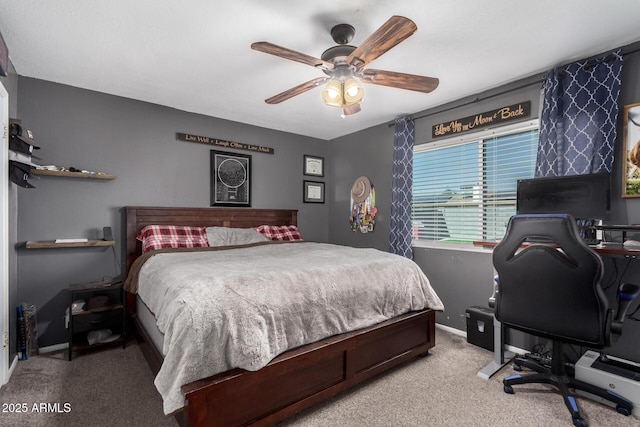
(230, 179)
(631, 135)
(313, 192)
(313, 165)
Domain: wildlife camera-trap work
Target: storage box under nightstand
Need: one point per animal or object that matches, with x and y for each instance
(480, 327)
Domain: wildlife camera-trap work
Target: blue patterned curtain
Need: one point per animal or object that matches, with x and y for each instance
(578, 119)
(401, 188)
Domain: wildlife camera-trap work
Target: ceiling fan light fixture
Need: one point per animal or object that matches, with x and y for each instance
(342, 94)
(353, 92)
(332, 93)
(343, 62)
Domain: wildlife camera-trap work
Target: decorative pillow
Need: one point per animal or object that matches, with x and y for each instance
(225, 236)
(280, 232)
(171, 236)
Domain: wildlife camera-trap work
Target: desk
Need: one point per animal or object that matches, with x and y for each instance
(606, 249)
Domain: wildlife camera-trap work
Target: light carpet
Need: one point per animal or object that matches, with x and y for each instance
(114, 387)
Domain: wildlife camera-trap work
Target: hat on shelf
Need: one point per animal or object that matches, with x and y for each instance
(21, 139)
(19, 173)
(360, 189)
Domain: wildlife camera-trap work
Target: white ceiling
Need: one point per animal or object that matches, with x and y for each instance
(196, 56)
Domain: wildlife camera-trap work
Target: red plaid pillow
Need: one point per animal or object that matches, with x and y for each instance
(171, 236)
(280, 232)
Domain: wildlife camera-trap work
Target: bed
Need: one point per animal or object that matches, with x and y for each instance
(294, 380)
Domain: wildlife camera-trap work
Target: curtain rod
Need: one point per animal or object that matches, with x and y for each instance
(472, 101)
(503, 92)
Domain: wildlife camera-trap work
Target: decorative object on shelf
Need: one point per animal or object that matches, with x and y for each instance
(230, 179)
(313, 165)
(363, 205)
(107, 233)
(313, 192)
(631, 131)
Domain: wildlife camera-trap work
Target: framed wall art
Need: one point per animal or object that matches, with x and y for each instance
(313, 192)
(230, 179)
(313, 165)
(631, 135)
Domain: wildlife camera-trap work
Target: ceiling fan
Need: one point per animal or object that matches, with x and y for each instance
(344, 63)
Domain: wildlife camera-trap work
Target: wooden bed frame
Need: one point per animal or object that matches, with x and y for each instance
(297, 379)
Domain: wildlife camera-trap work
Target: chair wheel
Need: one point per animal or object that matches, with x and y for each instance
(578, 422)
(622, 410)
(508, 389)
(517, 367)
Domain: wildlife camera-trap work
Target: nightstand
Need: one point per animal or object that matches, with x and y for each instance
(96, 316)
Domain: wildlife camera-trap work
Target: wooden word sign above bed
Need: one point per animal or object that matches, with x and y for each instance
(222, 143)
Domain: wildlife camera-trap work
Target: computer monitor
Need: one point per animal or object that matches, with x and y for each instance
(583, 196)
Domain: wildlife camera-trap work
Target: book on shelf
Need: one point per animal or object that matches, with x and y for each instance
(80, 240)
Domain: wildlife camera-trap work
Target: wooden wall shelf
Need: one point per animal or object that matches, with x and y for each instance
(51, 244)
(46, 172)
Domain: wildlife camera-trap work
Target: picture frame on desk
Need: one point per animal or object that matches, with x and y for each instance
(631, 148)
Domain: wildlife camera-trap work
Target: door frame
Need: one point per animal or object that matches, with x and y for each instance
(4, 237)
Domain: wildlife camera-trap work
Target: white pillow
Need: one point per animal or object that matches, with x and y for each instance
(224, 236)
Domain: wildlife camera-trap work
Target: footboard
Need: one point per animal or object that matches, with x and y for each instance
(303, 377)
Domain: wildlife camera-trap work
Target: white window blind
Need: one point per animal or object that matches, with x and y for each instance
(464, 188)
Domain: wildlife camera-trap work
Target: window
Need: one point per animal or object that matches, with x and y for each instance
(464, 188)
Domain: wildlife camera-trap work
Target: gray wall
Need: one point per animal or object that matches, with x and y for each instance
(370, 153)
(463, 278)
(10, 83)
(136, 142)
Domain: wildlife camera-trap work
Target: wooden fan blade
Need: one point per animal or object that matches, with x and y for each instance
(351, 109)
(400, 80)
(392, 32)
(283, 96)
(283, 52)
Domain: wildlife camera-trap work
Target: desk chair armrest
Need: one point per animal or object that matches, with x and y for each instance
(627, 293)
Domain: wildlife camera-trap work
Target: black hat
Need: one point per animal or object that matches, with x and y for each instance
(19, 146)
(22, 135)
(19, 173)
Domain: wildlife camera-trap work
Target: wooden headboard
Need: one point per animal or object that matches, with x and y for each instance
(139, 216)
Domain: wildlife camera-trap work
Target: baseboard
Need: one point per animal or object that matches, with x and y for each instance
(463, 334)
(451, 330)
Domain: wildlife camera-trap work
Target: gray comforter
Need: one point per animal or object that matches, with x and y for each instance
(241, 307)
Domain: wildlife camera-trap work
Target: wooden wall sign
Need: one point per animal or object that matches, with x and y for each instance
(488, 118)
(222, 143)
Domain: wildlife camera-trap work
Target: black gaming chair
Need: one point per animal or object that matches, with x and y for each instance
(549, 286)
